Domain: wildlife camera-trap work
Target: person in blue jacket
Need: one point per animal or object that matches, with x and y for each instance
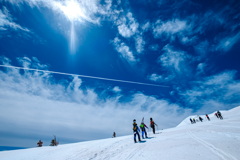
(136, 131)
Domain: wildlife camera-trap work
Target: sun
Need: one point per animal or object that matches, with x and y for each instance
(73, 10)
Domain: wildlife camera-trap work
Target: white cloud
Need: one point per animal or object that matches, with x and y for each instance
(37, 104)
(228, 42)
(117, 89)
(140, 43)
(161, 78)
(145, 27)
(125, 51)
(219, 91)
(127, 26)
(7, 22)
(175, 61)
(155, 77)
(169, 28)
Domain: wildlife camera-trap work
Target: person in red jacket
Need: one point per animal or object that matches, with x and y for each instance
(152, 124)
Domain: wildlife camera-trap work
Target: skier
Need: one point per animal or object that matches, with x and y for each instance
(216, 114)
(142, 126)
(200, 118)
(136, 131)
(54, 142)
(39, 143)
(219, 114)
(191, 120)
(114, 135)
(152, 124)
(194, 121)
(207, 117)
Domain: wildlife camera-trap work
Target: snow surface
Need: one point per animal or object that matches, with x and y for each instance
(209, 140)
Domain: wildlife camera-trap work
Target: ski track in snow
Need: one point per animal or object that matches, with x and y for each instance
(220, 153)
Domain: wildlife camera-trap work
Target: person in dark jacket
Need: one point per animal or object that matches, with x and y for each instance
(136, 131)
(40, 143)
(219, 114)
(191, 120)
(207, 117)
(114, 135)
(200, 118)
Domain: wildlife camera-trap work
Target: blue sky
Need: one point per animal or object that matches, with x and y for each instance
(186, 54)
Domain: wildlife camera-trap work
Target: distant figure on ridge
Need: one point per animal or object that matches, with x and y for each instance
(219, 114)
(114, 135)
(200, 118)
(54, 142)
(40, 143)
(216, 114)
(152, 124)
(191, 120)
(194, 121)
(207, 117)
(136, 131)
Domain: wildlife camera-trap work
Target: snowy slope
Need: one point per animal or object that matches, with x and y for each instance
(209, 140)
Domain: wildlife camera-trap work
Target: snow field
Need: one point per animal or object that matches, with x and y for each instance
(210, 140)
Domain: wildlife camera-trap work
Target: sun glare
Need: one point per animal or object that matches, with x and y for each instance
(73, 11)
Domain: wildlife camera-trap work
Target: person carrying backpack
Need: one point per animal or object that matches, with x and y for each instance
(40, 143)
(136, 131)
(142, 126)
(219, 114)
(114, 135)
(152, 124)
(200, 118)
(207, 117)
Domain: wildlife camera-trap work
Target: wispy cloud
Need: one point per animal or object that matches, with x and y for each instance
(169, 29)
(140, 43)
(161, 78)
(125, 51)
(38, 104)
(218, 91)
(228, 42)
(6, 21)
(174, 60)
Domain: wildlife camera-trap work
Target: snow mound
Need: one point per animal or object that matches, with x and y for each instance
(212, 140)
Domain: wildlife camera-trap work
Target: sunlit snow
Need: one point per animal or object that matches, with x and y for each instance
(209, 140)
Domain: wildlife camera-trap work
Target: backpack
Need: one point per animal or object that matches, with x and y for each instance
(152, 123)
(134, 126)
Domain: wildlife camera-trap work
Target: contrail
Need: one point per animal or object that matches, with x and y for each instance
(85, 76)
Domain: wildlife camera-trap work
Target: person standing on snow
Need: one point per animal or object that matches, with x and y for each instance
(152, 124)
(40, 143)
(219, 114)
(207, 117)
(114, 135)
(200, 118)
(142, 126)
(216, 114)
(136, 131)
(191, 120)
